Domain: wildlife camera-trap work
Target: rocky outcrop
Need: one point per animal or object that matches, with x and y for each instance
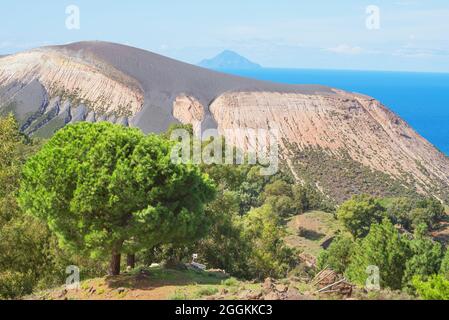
(100, 87)
(189, 110)
(343, 123)
(345, 143)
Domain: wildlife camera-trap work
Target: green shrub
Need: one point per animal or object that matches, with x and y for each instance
(359, 213)
(206, 291)
(231, 282)
(444, 270)
(412, 212)
(178, 295)
(282, 205)
(15, 284)
(269, 256)
(337, 256)
(435, 288)
(425, 257)
(384, 248)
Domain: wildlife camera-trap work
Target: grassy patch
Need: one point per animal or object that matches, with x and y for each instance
(206, 291)
(308, 231)
(231, 282)
(178, 295)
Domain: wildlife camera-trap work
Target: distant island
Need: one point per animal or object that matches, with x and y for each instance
(229, 60)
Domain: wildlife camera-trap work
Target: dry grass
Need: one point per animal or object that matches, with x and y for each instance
(309, 230)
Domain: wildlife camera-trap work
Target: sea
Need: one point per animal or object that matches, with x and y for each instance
(422, 99)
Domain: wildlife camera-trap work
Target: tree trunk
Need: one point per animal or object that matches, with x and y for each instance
(131, 260)
(114, 265)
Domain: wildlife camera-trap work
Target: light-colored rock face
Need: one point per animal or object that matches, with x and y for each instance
(100, 87)
(49, 88)
(370, 133)
(188, 110)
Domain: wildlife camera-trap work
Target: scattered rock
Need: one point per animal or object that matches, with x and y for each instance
(294, 294)
(91, 290)
(244, 294)
(255, 295)
(63, 293)
(309, 260)
(224, 291)
(272, 296)
(281, 288)
(268, 284)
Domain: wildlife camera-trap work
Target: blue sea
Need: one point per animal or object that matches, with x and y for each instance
(422, 99)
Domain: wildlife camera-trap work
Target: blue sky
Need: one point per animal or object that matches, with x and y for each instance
(413, 34)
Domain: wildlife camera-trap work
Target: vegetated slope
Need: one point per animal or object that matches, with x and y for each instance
(167, 284)
(348, 143)
(345, 143)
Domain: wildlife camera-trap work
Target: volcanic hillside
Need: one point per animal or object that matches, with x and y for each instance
(345, 143)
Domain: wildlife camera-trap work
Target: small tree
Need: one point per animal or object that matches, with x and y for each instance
(24, 241)
(277, 188)
(106, 190)
(338, 255)
(270, 257)
(224, 247)
(384, 248)
(426, 256)
(359, 213)
(411, 213)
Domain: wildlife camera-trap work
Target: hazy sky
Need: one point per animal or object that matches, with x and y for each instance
(413, 34)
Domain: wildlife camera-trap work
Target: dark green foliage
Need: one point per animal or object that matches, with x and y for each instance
(434, 288)
(245, 236)
(29, 255)
(412, 212)
(399, 257)
(233, 244)
(23, 241)
(359, 213)
(384, 248)
(307, 197)
(398, 209)
(338, 256)
(444, 270)
(425, 257)
(225, 246)
(105, 189)
(269, 256)
(284, 206)
(429, 211)
(288, 199)
(278, 188)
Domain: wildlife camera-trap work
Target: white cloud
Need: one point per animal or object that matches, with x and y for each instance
(413, 52)
(346, 49)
